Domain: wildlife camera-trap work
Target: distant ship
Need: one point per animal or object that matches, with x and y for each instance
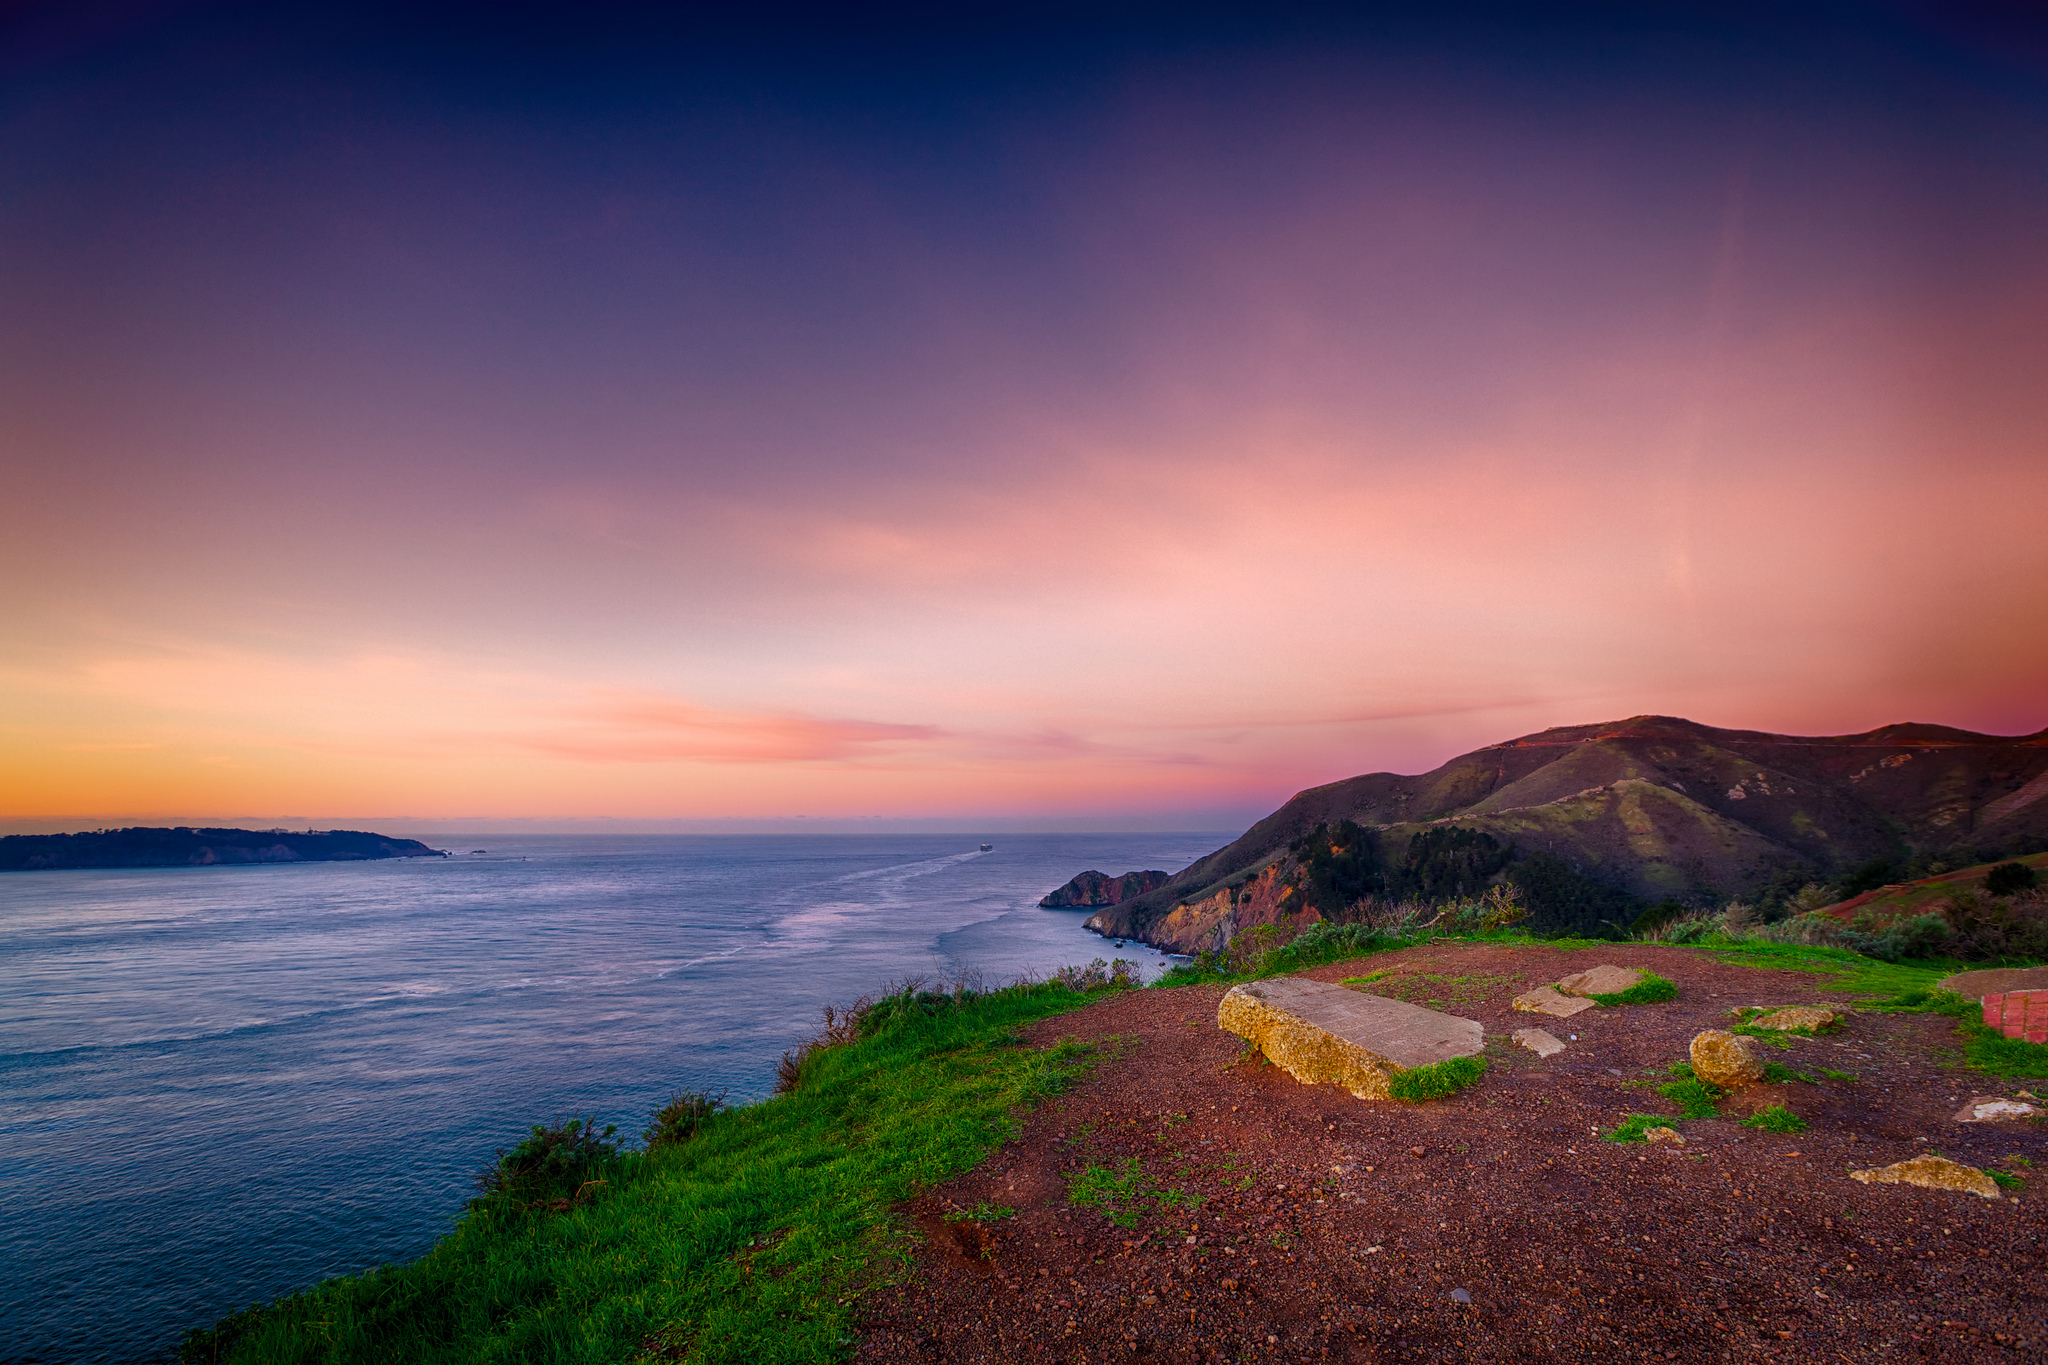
(986, 847)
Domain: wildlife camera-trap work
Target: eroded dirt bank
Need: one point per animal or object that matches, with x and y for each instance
(1274, 1221)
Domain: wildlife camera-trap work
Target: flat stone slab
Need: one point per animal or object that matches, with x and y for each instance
(1542, 1042)
(1601, 980)
(1547, 1000)
(1321, 1033)
(1996, 981)
(1796, 1016)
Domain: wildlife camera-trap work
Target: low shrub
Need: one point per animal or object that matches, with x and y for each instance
(681, 1118)
(551, 1163)
(1436, 1080)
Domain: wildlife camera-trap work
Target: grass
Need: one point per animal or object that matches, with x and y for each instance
(1437, 1080)
(2007, 1180)
(1770, 1037)
(1776, 1119)
(1840, 1075)
(1779, 1075)
(1651, 990)
(1985, 1049)
(1636, 1128)
(1695, 1098)
(1125, 1193)
(746, 1243)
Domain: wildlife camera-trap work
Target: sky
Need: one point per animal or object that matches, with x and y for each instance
(1049, 416)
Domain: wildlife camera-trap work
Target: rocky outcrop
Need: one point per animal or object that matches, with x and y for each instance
(1092, 889)
(1796, 1017)
(1725, 1059)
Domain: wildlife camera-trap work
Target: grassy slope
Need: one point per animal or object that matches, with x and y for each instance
(1929, 893)
(748, 1243)
(742, 1245)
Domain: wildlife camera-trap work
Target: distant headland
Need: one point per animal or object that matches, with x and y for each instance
(186, 847)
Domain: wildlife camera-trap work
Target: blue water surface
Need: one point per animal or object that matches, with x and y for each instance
(222, 1084)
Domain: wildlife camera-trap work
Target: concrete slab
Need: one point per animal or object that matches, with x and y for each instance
(1602, 980)
(1321, 1033)
(1542, 1042)
(1546, 1000)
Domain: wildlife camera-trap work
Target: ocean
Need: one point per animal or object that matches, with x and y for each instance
(218, 1085)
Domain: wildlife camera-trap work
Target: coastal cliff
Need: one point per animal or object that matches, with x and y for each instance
(186, 847)
(1092, 889)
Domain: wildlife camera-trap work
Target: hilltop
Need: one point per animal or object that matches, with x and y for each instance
(186, 847)
(1593, 822)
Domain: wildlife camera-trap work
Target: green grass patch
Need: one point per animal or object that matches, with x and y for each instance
(1770, 1036)
(1437, 1080)
(1985, 1049)
(984, 1212)
(1695, 1098)
(1840, 1075)
(1651, 990)
(1776, 1119)
(744, 1244)
(1779, 1075)
(1125, 1193)
(2007, 1180)
(1636, 1128)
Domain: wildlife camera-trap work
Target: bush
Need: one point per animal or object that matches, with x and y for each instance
(551, 1163)
(1437, 1080)
(2009, 879)
(682, 1117)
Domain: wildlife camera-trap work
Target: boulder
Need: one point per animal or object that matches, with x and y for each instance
(1601, 980)
(1542, 1042)
(1321, 1033)
(1997, 1109)
(1725, 1059)
(1932, 1173)
(1545, 1000)
(1667, 1136)
(1796, 1016)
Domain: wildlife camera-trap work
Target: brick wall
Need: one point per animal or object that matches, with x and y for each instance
(2019, 1014)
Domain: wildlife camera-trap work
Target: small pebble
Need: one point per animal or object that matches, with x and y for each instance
(1415, 1151)
(1461, 1296)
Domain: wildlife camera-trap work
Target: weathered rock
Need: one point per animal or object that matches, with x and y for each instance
(1545, 1000)
(1996, 1109)
(1093, 888)
(1725, 1059)
(1319, 1033)
(1668, 1136)
(1601, 980)
(1932, 1173)
(1542, 1042)
(1796, 1016)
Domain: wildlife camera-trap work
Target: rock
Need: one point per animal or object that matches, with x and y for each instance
(1461, 1296)
(1092, 888)
(1996, 1108)
(1796, 1016)
(1318, 1032)
(1725, 1059)
(1932, 1173)
(1542, 1042)
(1545, 1000)
(1602, 980)
(1669, 1136)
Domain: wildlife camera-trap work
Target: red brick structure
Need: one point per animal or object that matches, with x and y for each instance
(2019, 1014)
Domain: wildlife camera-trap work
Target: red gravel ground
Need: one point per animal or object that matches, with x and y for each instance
(1331, 1228)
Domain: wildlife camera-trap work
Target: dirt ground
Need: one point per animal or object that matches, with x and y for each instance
(1330, 1228)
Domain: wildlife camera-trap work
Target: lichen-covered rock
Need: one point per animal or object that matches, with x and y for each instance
(1932, 1173)
(1324, 1034)
(1668, 1136)
(1602, 980)
(1545, 1000)
(1725, 1059)
(1796, 1016)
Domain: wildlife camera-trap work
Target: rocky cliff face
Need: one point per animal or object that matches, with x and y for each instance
(1091, 889)
(1654, 805)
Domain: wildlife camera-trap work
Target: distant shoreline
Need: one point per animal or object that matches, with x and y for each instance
(184, 846)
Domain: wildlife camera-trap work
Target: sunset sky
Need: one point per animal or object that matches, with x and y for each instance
(1072, 421)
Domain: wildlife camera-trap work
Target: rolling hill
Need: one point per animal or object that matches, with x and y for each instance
(1642, 809)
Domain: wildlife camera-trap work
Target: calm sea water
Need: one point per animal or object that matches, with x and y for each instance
(221, 1084)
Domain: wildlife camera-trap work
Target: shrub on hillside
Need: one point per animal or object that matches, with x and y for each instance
(551, 1164)
(2009, 879)
(682, 1117)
